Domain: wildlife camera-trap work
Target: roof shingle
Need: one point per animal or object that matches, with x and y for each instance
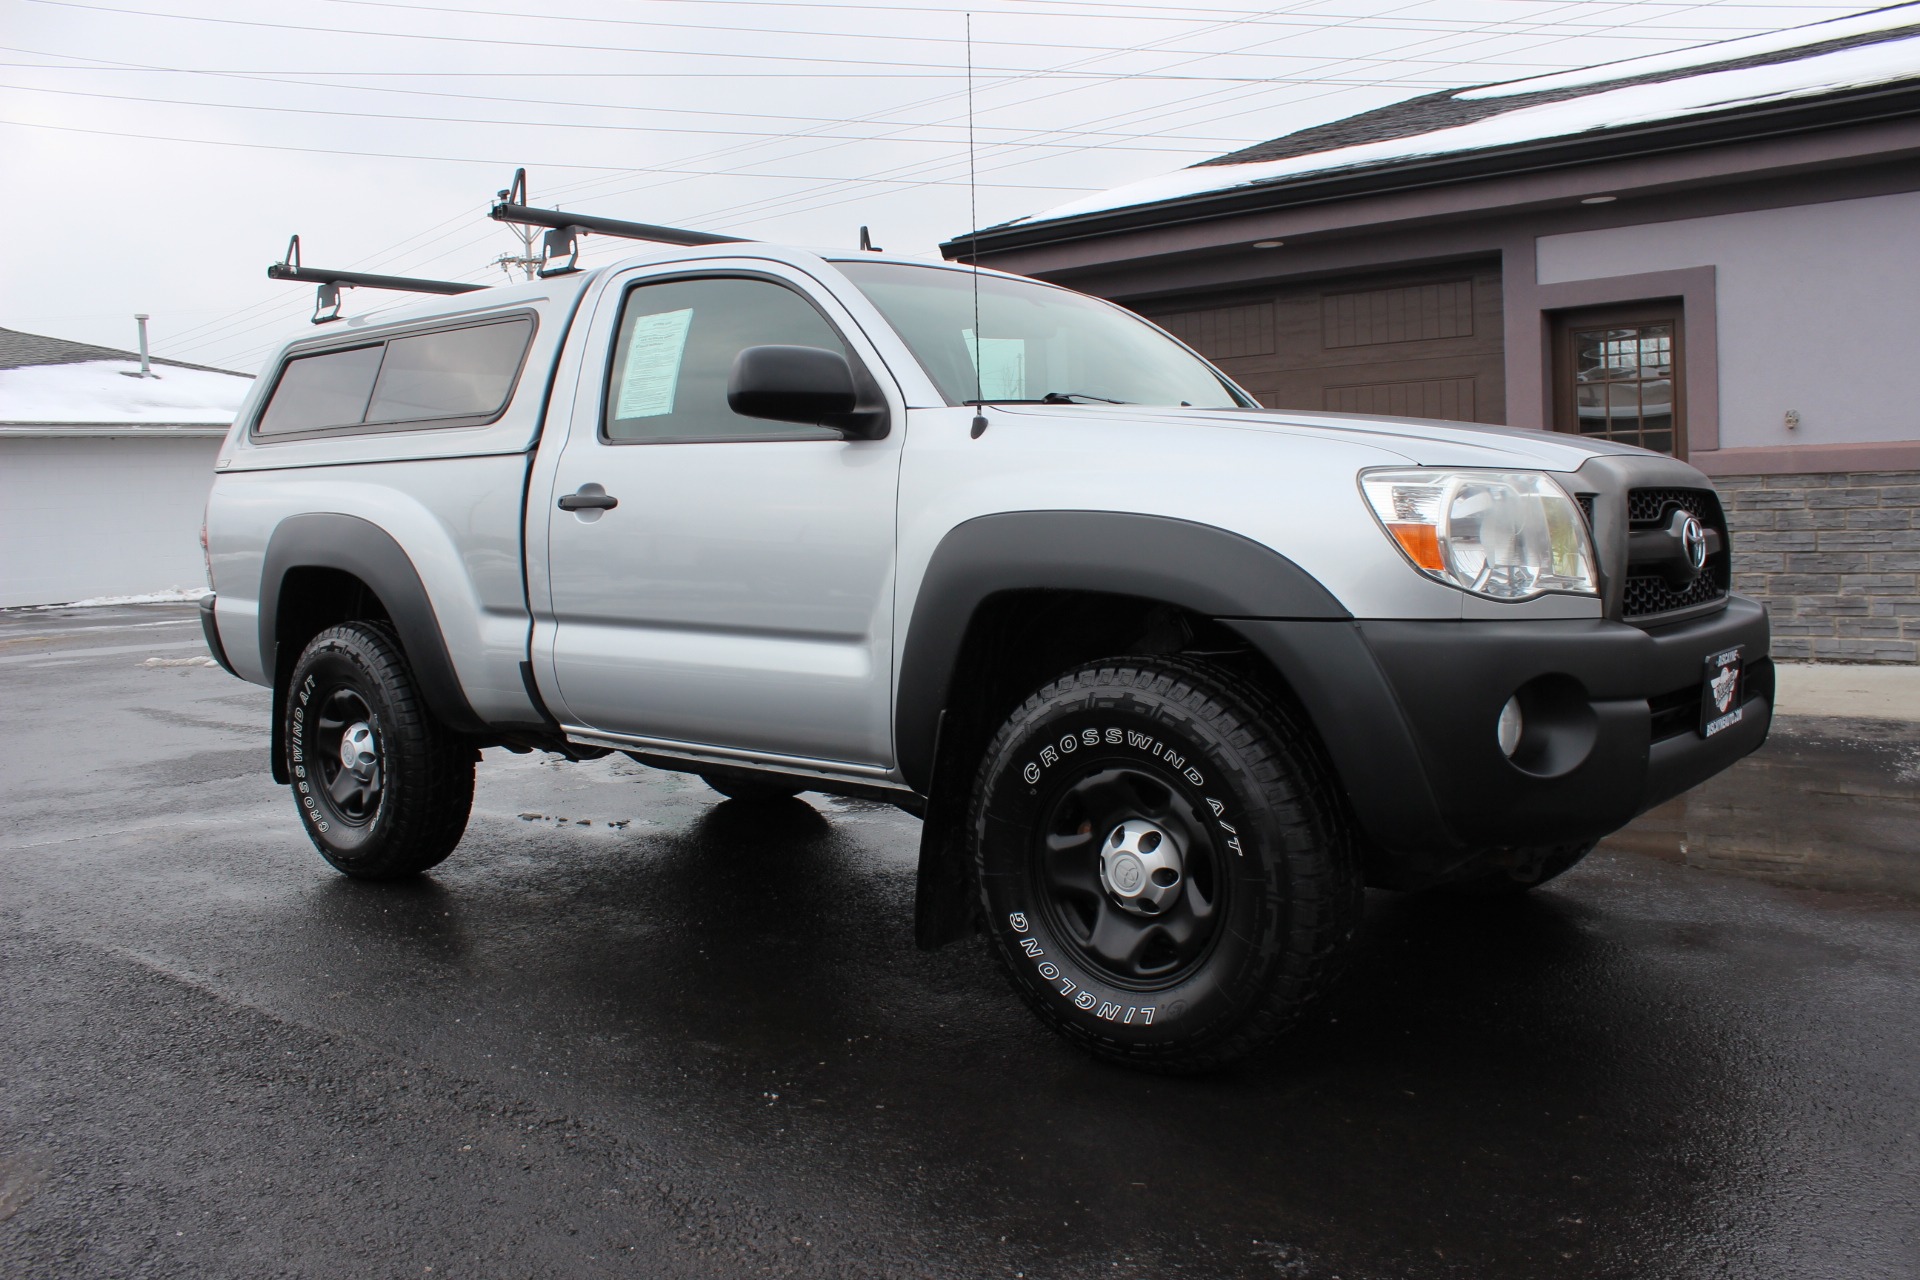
(22, 350)
(1447, 108)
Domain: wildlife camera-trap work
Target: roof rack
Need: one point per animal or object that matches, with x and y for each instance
(326, 303)
(560, 250)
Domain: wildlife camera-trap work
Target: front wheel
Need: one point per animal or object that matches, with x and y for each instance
(384, 790)
(1163, 863)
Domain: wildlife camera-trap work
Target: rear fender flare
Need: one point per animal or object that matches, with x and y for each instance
(329, 540)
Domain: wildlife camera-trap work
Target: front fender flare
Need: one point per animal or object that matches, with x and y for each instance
(1203, 568)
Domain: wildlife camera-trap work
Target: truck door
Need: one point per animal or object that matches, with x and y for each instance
(740, 593)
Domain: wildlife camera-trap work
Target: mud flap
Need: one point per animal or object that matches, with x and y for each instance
(943, 906)
(278, 740)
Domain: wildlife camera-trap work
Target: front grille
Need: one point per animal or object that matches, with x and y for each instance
(1653, 595)
(1647, 507)
(1648, 595)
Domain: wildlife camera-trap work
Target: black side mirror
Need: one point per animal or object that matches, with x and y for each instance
(802, 384)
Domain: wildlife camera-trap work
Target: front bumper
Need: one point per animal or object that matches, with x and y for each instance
(1408, 710)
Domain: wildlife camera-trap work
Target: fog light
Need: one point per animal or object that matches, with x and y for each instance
(1510, 726)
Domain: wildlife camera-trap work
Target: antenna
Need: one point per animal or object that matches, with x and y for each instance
(973, 220)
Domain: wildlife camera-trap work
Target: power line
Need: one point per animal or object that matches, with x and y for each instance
(918, 68)
(1493, 31)
(908, 71)
(1436, 24)
(110, 66)
(925, 102)
(495, 163)
(788, 201)
(566, 124)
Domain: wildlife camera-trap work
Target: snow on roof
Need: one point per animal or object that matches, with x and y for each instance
(1904, 15)
(95, 392)
(1657, 94)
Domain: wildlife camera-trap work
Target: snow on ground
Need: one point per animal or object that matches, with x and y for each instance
(1905, 15)
(1858, 67)
(172, 595)
(96, 391)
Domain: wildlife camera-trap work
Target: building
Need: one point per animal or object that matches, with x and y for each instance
(104, 473)
(1713, 253)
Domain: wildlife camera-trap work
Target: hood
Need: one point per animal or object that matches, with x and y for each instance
(1426, 442)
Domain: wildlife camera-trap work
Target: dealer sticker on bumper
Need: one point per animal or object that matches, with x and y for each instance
(1720, 693)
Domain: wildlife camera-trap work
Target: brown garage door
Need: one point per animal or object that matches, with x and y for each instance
(1425, 344)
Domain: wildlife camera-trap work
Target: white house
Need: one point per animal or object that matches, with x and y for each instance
(104, 473)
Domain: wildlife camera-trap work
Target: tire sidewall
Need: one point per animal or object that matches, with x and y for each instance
(1068, 735)
(335, 659)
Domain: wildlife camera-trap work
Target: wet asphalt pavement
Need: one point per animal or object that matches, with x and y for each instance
(629, 1029)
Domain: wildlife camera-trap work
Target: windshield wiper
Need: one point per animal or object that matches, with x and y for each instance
(1052, 397)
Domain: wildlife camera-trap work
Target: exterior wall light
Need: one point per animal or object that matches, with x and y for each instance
(1268, 244)
(1599, 199)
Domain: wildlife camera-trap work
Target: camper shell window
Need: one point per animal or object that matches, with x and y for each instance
(457, 377)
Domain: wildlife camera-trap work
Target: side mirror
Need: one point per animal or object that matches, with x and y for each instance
(801, 384)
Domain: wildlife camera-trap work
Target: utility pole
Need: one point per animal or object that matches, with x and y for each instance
(527, 260)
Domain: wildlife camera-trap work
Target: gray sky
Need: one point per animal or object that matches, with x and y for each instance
(158, 153)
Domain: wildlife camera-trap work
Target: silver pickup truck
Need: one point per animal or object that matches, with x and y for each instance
(1169, 677)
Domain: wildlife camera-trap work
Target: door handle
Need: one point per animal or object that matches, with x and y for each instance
(584, 501)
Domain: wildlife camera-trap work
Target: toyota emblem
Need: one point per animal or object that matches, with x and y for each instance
(1693, 536)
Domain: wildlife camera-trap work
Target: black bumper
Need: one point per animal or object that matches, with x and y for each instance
(1408, 711)
(211, 628)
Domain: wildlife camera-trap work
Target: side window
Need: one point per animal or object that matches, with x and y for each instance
(457, 373)
(327, 390)
(667, 379)
(451, 377)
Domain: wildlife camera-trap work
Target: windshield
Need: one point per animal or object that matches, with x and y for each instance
(1036, 342)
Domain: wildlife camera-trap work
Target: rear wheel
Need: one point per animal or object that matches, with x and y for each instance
(384, 790)
(1163, 863)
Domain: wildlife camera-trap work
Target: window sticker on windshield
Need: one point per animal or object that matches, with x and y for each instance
(652, 372)
(1002, 363)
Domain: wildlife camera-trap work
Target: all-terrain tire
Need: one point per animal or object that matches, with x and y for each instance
(383, 789)
(1179, 961)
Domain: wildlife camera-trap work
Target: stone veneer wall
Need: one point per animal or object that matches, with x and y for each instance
(1835, 558)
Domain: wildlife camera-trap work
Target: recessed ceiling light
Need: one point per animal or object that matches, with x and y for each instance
(1599, 199)
(1268, 244)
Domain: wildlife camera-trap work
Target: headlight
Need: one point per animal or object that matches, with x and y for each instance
(1507, 535)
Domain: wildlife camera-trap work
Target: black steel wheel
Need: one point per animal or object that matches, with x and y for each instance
(1131, 875)
(383, 788)
(1163, 863)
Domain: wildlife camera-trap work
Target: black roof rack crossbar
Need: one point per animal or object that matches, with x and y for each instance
(326, 304)
(512, 206)
(559, 220)
(361, 280)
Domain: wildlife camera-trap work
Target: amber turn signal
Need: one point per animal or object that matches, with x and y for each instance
(1421, 542)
